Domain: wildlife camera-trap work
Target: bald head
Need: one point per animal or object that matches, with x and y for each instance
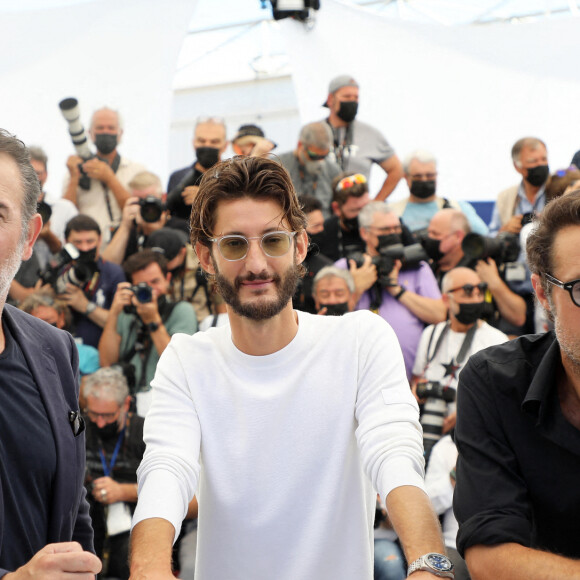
(447, 221)
(458, 277)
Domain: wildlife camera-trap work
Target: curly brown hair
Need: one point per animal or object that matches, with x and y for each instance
(252, 177)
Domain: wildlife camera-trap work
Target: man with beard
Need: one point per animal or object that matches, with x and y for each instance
(286, 420)
(311, 170)
(340, 236)
(421, 175)
(141, 321)
(357, 145)
(518, 426)
(209, 143)
(109, 174)
(45, 530)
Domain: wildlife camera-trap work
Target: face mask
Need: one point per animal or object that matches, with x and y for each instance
(313, 167)
(431, 247)
(350, 224)
(88, 256)
(347, 111)
(389, 240)
(423, 189)
(207, 156)
(538, 175)
(106, 143)
(335, 309)
(108, 431)
(469, 313)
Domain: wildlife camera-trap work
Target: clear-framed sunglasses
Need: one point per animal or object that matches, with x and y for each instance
(235, 247)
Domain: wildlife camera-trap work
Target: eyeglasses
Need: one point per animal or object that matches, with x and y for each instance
(572, 287)
(469, 288)
(315, 156)
(387, 230)
(235, 247)
(108, 417)
(350, 181)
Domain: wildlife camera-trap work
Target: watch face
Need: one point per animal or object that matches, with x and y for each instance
(439, 562)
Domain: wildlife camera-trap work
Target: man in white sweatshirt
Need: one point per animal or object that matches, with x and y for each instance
(282, 423)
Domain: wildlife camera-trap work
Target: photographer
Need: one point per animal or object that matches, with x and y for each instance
(333, 291)
(143, 214)
(109, 173)
(142, 321)
(445, 347)
(406, 298)
(447, 231)
(87, 284)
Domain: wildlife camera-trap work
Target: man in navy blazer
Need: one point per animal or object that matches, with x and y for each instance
(45, 529)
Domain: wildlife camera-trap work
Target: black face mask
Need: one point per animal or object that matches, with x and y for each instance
(350, 224)
(106, 143)
(423, 189)
(335, 309)
(89, 256)
(108, 431)
(431, 247)
(469, 313)
(538, 175)
(389, 240)
(207, 156)
(347, 111)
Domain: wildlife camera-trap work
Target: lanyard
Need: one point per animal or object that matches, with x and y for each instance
(107, 469)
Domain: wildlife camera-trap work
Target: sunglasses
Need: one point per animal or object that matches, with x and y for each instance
(315, 156)
(350, 181)
(572, 287)
(469, 288)
(235, 247)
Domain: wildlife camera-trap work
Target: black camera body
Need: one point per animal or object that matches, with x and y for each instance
(143, 294)
(502, 249)
(66, 268)
(435, 389)
(152, 209)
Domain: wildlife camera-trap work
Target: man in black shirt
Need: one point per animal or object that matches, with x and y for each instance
(42, 447)
(518, 427)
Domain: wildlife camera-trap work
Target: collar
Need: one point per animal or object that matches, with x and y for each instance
(543, 384)
(522, 192)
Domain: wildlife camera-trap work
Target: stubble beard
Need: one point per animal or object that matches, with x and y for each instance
(259, 308)
(568, 340)
(9, 268)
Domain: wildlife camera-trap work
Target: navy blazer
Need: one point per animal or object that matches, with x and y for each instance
(53, 360)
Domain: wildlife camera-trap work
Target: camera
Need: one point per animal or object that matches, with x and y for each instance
(55, 267)
(151, 209)
(527, 218)
(45, 211)
(434, 411)
(70, 110)
(503, 248)
(143, 292)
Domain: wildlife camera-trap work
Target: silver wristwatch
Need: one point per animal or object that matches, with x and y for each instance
(91, 307)
(437, 564)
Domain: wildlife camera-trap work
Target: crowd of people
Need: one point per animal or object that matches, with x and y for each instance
(136, 273)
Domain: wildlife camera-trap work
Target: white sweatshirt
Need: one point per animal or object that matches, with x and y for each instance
(285, 448)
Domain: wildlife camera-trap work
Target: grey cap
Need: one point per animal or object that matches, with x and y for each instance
(338, 83)
(167, 241)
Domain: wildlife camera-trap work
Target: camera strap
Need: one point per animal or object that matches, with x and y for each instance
(114, 167)
(465, 345)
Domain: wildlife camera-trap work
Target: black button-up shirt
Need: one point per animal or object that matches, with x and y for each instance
(518, 472)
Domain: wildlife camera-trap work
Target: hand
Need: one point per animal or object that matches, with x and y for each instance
(449, 422)
(123, 297)
(106, 491)
(75, 298)
(488, 273)
(414, 391)
(514, 225)
(97, 169)
(262, 147)
(56, 561)
(394, 275)
(72, 164)
(131, 212)
(322, 311)
(148, 311)
(189, 193)
(365, 276)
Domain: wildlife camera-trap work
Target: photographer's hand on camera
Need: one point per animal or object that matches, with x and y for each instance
(189, 193)
(414, 382)
(394, 288)
(73, 163)
(514, 225)
(77, 300)
(107, 491)
(364, 277)
(100, 170)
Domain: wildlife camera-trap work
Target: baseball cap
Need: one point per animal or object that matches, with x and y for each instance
(167, 241)
(338, 83)
(249, 134)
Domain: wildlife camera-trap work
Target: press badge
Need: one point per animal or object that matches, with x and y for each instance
(515, 272)
(118, 518)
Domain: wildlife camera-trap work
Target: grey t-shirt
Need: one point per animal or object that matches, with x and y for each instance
(358, 145)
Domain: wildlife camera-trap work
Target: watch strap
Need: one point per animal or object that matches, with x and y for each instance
(423, 563)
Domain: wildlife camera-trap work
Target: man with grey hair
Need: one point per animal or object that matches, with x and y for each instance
(530, 159)
(333, 291)
(309, 165)
(109, 174)
(406, 297)
(45, 529)
(420, 169)
(209, 143)
(115, 448)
